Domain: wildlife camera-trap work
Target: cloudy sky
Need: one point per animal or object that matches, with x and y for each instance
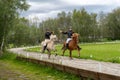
(43, 9)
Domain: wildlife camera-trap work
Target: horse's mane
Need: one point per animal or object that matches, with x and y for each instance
(75, 35)
(53, 37)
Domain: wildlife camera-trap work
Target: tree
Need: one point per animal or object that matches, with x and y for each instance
(102, 25)
(8, 15)
(82, 23)
(113, 24)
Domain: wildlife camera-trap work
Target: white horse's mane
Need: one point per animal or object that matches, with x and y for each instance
(53, 37)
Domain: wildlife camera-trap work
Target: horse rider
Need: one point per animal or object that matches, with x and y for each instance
(47, 39)
(69, 34)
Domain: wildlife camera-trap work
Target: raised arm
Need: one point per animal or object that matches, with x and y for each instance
(63, 32)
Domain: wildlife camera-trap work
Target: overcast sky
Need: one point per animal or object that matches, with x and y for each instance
(43, 9)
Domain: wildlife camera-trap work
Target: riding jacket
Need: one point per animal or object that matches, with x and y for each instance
(47, 35)
(69, 33)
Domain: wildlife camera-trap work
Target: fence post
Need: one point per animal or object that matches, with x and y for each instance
(100, 67)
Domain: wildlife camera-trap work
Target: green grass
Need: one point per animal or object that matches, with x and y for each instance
(109, 52)
(34, 71)
(104, 52)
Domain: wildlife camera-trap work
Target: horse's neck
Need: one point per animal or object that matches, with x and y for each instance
(75, 40)
(52, 42)
(52, 37)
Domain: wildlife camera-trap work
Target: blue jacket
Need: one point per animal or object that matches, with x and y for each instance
(69, 33)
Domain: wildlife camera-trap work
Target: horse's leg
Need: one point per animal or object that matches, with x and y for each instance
(63, 47)
(78, 48)
(70, 54)
(44, 47)
(63, 52)
(48, 53)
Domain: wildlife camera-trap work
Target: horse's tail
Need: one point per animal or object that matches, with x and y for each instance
(64, 44)
(79, 48)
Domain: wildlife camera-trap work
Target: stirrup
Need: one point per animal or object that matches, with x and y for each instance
(67, 45)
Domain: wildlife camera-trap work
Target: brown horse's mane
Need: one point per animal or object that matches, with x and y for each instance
(75, 37)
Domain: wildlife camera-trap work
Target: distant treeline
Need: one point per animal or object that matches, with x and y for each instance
(92, 27)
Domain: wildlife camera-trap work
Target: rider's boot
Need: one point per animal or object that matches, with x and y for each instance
(44, 48)
(66, 46)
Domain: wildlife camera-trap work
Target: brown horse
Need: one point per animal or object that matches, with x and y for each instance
(73, 45)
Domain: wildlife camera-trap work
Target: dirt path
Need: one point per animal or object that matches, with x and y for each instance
(92, 65)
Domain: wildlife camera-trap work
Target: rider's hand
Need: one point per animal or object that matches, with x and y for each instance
(60, 31)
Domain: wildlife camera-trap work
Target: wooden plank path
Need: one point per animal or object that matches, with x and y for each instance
(86, 68)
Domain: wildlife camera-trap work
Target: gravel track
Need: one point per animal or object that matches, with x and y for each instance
(92, 65)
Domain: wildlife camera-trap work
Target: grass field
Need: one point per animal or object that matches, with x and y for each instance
(109, 52)
(13, 69)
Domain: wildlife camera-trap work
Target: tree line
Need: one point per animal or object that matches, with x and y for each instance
(16, 31)
(91, 26)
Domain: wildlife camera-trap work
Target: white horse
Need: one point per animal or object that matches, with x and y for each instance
(51, 44)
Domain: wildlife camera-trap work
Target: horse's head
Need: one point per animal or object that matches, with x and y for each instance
(75, 36)
(53, 38)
